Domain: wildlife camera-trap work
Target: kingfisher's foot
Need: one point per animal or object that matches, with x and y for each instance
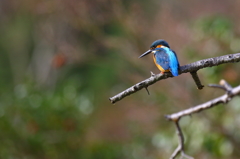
(152, 74)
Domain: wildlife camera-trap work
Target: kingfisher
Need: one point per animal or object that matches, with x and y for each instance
(165, 58)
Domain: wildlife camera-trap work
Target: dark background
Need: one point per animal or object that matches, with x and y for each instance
(60, 61)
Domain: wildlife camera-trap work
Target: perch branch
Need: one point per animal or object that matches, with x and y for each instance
(193, 67)
(230, 92)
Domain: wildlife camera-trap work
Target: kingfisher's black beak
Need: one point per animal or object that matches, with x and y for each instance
(145, 53)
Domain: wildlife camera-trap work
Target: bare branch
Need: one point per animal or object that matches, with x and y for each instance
(193, 67)
(222, 99)
(230, 92)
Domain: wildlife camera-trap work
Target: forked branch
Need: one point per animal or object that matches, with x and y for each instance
(230, 93)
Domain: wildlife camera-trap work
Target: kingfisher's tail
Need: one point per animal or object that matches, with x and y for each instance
(174, 71)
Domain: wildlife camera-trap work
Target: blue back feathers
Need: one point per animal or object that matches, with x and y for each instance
(167, 59)
(173, 64)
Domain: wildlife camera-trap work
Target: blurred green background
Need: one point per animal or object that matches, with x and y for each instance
(62, 59)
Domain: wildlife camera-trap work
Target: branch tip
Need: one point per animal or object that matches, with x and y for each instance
(152, 74)
(217, 86)
(226, 85)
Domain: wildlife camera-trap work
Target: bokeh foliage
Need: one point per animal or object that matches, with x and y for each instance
(61, 61)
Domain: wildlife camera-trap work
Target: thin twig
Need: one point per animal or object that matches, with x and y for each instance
(147, 90)
(176, 152)
(217, 86)
(225, 86)
(193, 67)
(180, 141)
(180, 147)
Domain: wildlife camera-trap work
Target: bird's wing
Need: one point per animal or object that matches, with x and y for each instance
(174, 64)
(162, 59)
(176, 58)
